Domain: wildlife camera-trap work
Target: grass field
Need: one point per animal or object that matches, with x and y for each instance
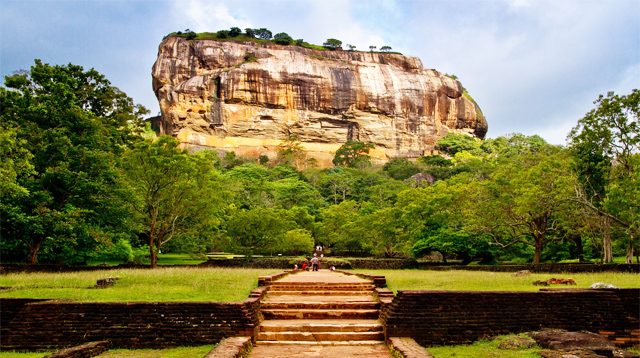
(12, 354)
(484, 349)
(493, 281)
(179, 352)
(234, 284)
(162, 284)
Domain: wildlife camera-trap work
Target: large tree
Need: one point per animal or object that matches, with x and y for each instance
(604, 143)
(177, 194)
(69, 126)
(524, 198)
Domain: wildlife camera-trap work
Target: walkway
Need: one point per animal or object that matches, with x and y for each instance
(320, 314)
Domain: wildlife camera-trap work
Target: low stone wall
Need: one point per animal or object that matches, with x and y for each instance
(57, 324)
(372, 263)
(550, 268)
(452, 317)
(369, 263)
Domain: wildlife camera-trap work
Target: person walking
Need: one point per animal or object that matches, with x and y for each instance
(315, 262)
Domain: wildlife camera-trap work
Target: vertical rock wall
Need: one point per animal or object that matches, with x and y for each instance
(248, 97)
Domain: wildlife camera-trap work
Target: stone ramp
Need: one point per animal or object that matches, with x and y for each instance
(320, 314)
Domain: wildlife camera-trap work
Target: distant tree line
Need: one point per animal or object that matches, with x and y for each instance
(82, 179)
(281, 38)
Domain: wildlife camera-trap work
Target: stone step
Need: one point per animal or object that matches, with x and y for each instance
(320, 336)
(299, 325)
(320, 343)
(331, 305)
(319, 298)
(320, 293)
(315, 287)
(320, 313)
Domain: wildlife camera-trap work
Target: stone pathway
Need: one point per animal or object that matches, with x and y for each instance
(320, 314)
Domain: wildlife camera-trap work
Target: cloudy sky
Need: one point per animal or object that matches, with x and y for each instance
(534, 66)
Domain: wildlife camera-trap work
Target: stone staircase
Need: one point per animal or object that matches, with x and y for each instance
(320, 312)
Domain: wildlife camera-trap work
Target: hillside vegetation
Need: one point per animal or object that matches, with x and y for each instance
(83, 180)
(263, 35)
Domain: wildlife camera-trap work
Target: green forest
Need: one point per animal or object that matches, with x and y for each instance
(82, 178)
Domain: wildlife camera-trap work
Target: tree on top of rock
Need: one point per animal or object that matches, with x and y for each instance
(263, 33)
(282, 38)
(332, 44)
(234, 31)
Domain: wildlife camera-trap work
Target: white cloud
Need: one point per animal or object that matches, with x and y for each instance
(203, 15)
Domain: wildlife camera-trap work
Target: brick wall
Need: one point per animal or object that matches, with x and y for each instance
(55, 324)
(445, 317)
(344, 263)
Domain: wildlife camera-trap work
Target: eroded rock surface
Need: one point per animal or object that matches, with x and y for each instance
(248, 97)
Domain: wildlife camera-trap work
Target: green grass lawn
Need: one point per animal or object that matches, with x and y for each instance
(484, 349)
(493, 281)
(161, 284)
(179, 352)
(13, 354)
(163, 259)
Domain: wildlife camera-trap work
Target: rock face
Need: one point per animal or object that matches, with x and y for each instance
(248, 98)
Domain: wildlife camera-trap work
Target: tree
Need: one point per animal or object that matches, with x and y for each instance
(234, 31)
(190, 35)
(525, 198)
(332, 44)
(337, 224)
(400, 168)
(176, 194)
(250, 32)
(222, 34)
(70, 126)
(385, 48)
(295, 242)
(291, 152)
(453, 143)
(263, 34)
(604, 143)
(353, 154)
(351, 47)
(282, 38)
(372, 48)
(290, 192)
(257, 230)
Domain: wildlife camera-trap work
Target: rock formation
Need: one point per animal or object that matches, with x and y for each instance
(249, 97)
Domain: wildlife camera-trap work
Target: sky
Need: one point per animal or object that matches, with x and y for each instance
(533, 66)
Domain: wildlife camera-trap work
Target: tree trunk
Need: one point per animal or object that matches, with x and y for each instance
(629, 258)
(537, 257)
(607, 251)
(153, 254)
(579, 248)
(34, 249)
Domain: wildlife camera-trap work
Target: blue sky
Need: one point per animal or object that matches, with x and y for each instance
(534, 66)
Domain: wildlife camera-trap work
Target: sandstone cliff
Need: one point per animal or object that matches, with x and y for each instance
(248, 97)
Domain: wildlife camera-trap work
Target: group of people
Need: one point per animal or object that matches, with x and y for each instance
(313, 263)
